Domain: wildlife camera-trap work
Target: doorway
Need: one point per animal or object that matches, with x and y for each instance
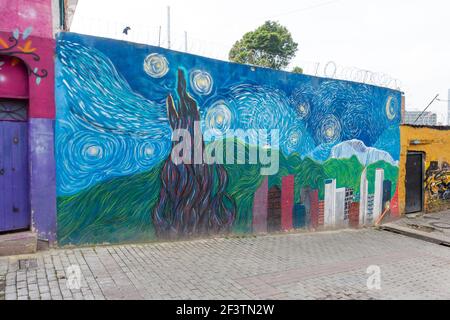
(14, 202)
(414, 182)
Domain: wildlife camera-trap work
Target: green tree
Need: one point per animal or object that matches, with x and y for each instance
(297, 70)
(270, 45)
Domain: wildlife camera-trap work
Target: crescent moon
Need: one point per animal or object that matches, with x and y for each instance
(389, 113)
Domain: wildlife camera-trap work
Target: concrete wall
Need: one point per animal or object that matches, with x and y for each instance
(118, 179)
(435, 144)
(26, 38)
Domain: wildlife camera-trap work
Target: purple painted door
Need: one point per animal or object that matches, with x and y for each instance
(14, 205)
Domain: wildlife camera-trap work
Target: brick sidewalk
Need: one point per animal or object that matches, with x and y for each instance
(329, 265)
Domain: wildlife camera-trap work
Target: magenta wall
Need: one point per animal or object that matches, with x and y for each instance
(26, 13)
(37, 55)
(26, 41)
(26, 33)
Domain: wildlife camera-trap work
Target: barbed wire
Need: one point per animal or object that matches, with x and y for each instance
(333, 70)
(157, 36)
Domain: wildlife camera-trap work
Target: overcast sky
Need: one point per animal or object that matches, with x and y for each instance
(407, 39)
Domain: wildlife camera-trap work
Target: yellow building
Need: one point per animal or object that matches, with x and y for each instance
(424, 182)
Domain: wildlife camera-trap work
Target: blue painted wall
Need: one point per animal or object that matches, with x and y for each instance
(113, 134)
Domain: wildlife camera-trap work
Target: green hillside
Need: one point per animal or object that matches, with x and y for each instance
(120, 209)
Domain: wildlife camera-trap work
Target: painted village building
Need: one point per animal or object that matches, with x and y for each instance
(425, 169)
(87, 158)
(27, 113)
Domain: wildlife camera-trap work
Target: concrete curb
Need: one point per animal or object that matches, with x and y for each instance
(432, 237)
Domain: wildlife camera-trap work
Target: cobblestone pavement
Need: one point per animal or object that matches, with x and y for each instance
(328, 265)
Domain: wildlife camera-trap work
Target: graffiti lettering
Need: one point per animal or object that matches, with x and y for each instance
(437, 182)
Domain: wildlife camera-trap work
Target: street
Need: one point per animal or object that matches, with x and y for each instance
(326, 265)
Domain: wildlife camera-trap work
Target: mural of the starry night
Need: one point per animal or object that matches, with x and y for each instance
(119, 104)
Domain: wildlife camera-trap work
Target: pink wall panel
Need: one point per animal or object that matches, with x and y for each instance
(287, 202)
(314, 202)
(27, 13)
(42, 100)
(37, 55)
(260, 204)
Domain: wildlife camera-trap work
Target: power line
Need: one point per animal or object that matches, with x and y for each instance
(423, 112)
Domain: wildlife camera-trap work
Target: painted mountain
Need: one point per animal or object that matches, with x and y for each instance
(365, 155)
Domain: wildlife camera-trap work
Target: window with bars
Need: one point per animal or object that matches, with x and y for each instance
(13, 110)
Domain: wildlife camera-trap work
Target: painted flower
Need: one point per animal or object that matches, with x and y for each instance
(3, 43)
(27, 47)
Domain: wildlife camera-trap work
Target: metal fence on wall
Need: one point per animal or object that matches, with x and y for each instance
(157, 36)
(333, 70)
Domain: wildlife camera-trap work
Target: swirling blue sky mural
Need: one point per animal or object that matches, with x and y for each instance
(112, 118)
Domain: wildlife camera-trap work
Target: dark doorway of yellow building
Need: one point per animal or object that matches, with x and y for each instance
(414, 182)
